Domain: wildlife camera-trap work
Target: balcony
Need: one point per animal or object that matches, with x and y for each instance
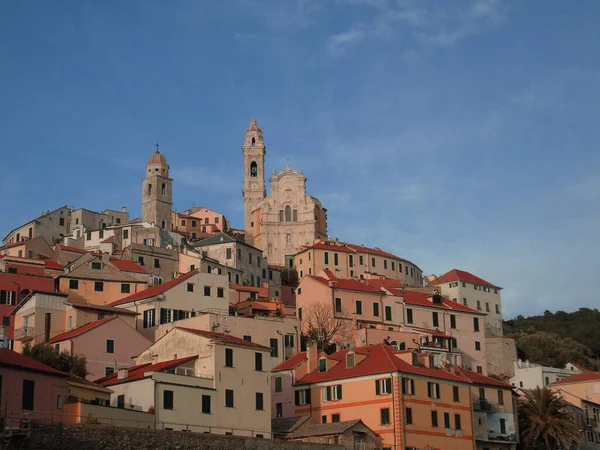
(482, 405)
(24, 334)
(590, 422)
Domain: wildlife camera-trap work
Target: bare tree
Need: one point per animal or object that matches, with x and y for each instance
(324, 326)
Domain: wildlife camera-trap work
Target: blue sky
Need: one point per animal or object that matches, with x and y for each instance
(455, 134)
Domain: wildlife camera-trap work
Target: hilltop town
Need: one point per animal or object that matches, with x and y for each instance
(273, 331)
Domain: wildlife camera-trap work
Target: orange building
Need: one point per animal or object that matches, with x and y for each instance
(394, 392)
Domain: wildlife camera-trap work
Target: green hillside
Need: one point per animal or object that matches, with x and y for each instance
(554, 339)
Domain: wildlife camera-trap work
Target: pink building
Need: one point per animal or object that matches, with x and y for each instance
(108, 344)
(27, 385)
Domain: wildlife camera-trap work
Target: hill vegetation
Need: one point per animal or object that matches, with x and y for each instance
(553, 339)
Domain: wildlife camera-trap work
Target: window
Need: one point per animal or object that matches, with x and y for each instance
(349, 360)
(452, 321)
(434, 419)
(28, 395)
(361, 260)
(408, 416)
(376, 309)
(259, 401)
(69, 322)
(408, 386)
(409, 315)
(163, 190)
(487, 306)
(121, 401)
(332, 393)
(502, 426)
(279, 409)
(497, 309)
(326, 257)
(393, 266)
(383, 387)
(475, 324)
(250, 258)
(96, 265)
(478, 305)
(206, 404)
(436, 320)
(13, 269)
(258, 362)
(228, 398)
(300, 313)
(207, 291)
(358, 307)
(289, 340)
(73, 284)
(167, 399)
(323, 365)
(109, 371)
(477, 345)
(101, 232)
(288, 213)
(385, 416)
(228, 357)
(125, 288)
(228, 254)
(481, 393)
(149, 320)
(457, 421)
(5, 321)
(274, 344)
(278, 384)
(335, 259)
(98, 286)
(373, 262)
(166, 315)
(156, 263)
(220, 292)
(455, 392)
(110, 346)
(433, 390)
(281, 215)
(447, 420)
(465, 302)
(141, 260)
(338, 305)
(385, 264)
(500, 397)
(302, 397)
(351, 260)
(335, 418)
(323, 419)
(388, 313)
(295, 215)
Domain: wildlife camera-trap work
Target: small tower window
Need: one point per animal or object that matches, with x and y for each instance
(288, 213)
(253, 169)
(164, 189)
(253, 142)
(164, 224)
(149, 189)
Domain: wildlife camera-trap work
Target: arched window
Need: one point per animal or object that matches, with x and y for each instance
(164, 189)
(402, 346)
(253, 142)
(288, 213)
(253, 169)
(164, 224)
(149, 189)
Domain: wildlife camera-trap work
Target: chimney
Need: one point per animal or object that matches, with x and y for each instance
(312, 354)
(124, 209)
(47, 321)
(122, 374)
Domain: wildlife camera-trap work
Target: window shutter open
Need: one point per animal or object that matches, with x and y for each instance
(297, 397)
(377, 388)
(412, 387)
(308, 396)
(339, 391)
(388, 385)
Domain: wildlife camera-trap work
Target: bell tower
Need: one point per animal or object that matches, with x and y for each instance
(254, 191)
(157, 192)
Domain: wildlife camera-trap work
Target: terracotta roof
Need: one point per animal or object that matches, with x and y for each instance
(68, 248)
(16, 244)
(138, 372)
(478, 378)
(237, 287)
(372, 251)
(52, 264)
(126, 265)
(580, 378)
(19, 361)
(79, 331)
(290, 363)
(461, 275)
(253, 126)
(380, 358)
(224, 338)
(329, 247)
(385, 282)
(350, 285)
(322, 429)
(157, 158)
(155, 290)
(422, 299)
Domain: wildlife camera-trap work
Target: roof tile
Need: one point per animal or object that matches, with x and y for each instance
(80, 330)
(140, 371)
(14, 359)
(224, 338)
(461, 275)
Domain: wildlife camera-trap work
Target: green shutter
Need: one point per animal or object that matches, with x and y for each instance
(388, 385)
(412, 387)
(339, 391)
(377, 388)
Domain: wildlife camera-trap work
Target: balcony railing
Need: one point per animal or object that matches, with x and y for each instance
(24, 334)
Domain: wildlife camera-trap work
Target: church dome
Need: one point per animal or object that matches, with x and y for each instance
(158, 158)
(253, 126)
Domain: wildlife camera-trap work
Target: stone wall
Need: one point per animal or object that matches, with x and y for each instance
(53, 436)
(501, 354)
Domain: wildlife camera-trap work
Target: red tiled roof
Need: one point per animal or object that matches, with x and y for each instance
(237, 287)
(330, 247)
(14, 359)
(224, 338)
(16, 244)
(126, 265)
(372, 251)
(385, 282)
(140, 371)
(79, 331)
(68, 248)
(290, 363)
(380, 358)
(350, 285)
(118, 252)
(461, 275)
(154, 290)
(477, 378)
(422, 299)
(52, 264)
(581, 378)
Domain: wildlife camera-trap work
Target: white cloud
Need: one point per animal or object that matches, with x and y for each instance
(337, 42)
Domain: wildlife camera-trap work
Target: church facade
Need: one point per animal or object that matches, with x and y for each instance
(281, 223)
